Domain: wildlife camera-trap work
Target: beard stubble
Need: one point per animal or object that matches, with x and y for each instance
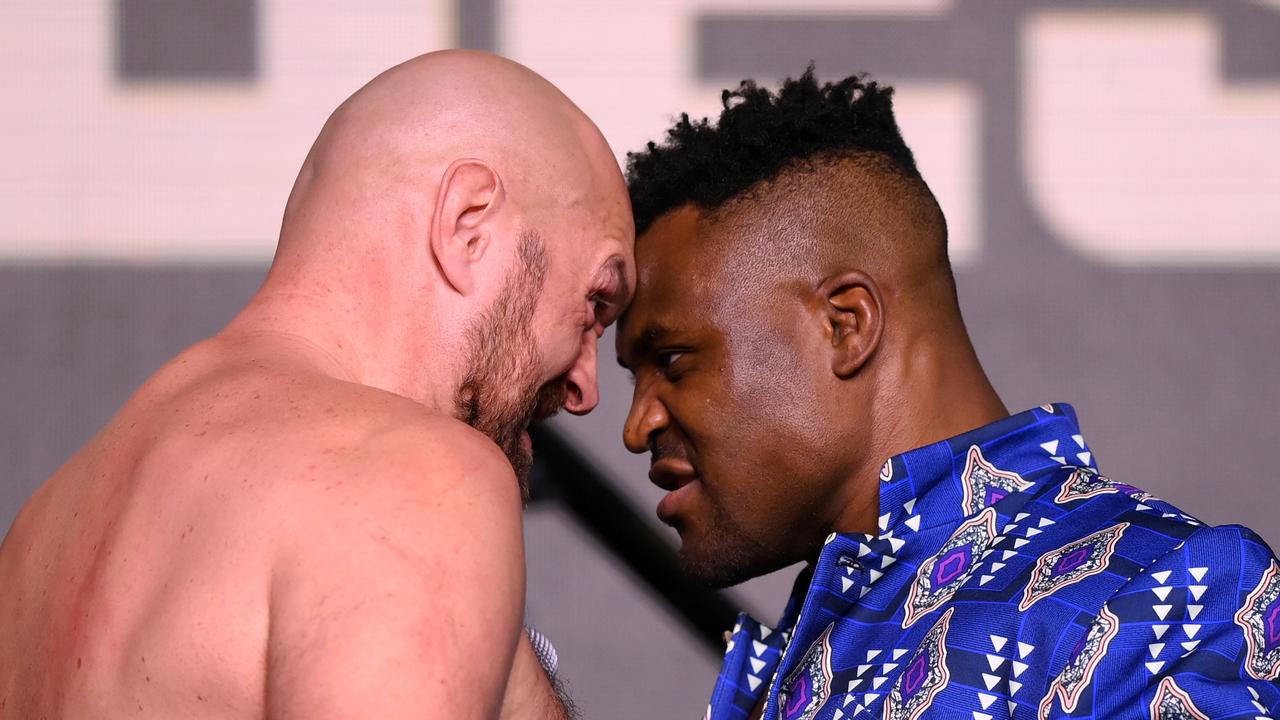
(500, 393)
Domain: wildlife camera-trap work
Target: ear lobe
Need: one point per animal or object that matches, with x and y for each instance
(855, 313)
(470, 194)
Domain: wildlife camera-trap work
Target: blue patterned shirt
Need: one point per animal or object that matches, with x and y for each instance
(1010, 580)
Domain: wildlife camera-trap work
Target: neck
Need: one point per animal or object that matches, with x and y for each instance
(940, 390)
(366, 339)
(932, 387)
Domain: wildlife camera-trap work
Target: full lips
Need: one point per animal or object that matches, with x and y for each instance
(671, 504)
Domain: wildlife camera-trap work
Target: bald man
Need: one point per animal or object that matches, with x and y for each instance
(316, 513)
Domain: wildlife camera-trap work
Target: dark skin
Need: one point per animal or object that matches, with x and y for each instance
(769, 390)
(774, 376)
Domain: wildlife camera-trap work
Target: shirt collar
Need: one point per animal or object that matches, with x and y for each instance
(936, 485)
(956, 478)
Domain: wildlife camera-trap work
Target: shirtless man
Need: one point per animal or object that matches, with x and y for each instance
(316, 513)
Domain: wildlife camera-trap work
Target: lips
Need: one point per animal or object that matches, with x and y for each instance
(671, 474)
(678, 478)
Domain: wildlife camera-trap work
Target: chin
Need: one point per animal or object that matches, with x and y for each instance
(714, 565)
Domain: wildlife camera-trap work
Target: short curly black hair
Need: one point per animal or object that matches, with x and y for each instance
(760, 134)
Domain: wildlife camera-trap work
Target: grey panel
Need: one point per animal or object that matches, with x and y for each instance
(78, 341)
(478, 24)
(186, 40)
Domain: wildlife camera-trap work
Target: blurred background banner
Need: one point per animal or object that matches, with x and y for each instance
(1110, 172)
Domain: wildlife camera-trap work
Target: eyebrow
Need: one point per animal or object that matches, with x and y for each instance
(652, 335)
(618, 268)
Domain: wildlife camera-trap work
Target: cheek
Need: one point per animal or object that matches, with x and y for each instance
(777, 392)
(558, 327)
(768, 438)
(743, 445)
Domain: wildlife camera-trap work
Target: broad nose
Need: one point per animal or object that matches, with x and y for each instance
(583, 391)
(646, 418)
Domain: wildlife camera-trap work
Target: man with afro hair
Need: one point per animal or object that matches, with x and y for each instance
(808, 392)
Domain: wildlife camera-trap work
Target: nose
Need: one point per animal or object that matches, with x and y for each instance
(582, 391)
(647, 417)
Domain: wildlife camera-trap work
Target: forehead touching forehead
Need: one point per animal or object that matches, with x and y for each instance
(677, 277)
(579, 198)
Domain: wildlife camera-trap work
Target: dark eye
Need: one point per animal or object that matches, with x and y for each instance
(667, 360)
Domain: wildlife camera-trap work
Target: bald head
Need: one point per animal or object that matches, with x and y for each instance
(461, 231)
(378, 162)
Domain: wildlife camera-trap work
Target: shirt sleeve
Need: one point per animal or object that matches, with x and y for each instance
(1198, 634)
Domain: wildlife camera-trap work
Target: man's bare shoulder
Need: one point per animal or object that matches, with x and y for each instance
(304, 433)
(295, 451)
(398, 555)
(396, 448)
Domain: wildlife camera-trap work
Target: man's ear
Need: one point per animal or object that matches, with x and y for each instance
(855, 315)
(470, 193)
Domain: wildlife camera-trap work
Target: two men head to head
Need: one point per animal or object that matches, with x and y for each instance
(483, 216)
(795, 322)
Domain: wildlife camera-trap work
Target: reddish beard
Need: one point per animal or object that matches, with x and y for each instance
(501, 394)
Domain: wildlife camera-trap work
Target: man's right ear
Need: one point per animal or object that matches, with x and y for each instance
(469, 196)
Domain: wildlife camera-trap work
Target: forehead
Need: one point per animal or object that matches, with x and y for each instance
(592, 230)
(676, 255)
(680, 275)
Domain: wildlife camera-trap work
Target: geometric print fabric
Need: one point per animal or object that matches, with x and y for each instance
(1009, 579)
